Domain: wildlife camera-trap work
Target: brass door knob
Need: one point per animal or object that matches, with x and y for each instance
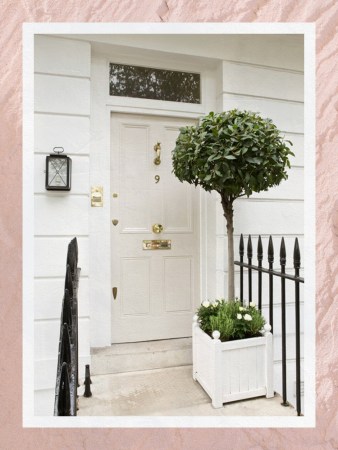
(157, 228)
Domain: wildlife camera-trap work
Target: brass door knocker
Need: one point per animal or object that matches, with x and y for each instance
(157, 148)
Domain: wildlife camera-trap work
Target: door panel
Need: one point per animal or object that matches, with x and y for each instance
(158, 290)
(177, 210)
(135, 291)
(178, 285)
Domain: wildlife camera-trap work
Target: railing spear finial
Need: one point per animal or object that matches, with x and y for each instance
(259, 249)
(296, 255)
(270, 250)
(282, 253)
(241, 246)
(249, 248)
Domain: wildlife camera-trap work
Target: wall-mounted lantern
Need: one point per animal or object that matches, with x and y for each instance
(58, 171)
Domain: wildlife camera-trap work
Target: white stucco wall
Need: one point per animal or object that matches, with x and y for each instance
(62, 118)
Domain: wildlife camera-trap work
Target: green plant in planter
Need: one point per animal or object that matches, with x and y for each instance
(232, 319)
(234, 153)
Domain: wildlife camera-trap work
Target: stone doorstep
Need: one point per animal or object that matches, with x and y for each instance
(139, 356)
(166, 392)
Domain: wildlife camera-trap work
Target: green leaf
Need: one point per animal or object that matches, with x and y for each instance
(254, 160)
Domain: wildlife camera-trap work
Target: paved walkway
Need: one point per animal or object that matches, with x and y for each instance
(166, 392)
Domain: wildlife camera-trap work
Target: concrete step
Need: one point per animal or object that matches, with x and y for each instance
(167, 392)
(136, 356)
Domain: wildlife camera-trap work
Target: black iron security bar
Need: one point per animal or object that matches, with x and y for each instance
(283, 276)
(273, 272)
(67, 368)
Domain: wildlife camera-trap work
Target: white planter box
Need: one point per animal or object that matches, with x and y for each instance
(235, 370)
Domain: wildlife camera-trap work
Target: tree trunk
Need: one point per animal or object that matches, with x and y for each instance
(227, 204)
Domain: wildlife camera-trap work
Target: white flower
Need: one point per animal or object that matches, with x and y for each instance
(206, 304)
(239, 316)
(241, 308)
(247, 317)
(253, 304)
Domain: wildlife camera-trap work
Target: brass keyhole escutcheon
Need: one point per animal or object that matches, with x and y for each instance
(157, 228)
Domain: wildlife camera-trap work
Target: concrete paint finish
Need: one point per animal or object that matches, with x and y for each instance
(325, 15)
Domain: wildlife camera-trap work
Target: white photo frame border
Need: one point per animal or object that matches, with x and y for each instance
(29, 419)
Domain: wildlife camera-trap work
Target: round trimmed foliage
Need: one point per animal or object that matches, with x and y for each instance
(234, 153)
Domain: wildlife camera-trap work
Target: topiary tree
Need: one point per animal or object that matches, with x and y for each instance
(234, 153)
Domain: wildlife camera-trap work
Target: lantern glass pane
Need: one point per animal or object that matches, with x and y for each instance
(57, 173)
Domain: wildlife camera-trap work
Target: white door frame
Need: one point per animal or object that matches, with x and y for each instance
(100, 283)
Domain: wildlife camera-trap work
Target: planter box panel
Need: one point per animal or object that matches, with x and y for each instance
(231, 371)
(243, 369)
(204, 362)
(247, 360)
(261, 364)
(252, 376)
(232, 358)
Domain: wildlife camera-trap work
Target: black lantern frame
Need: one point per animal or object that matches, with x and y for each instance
(62, 160)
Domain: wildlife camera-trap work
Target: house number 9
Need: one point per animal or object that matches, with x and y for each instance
(157, 178)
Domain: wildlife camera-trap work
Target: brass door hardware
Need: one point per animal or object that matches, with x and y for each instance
(96, 196)
(157, 228)
(157, 178)
(157, 245)
(115, 222)
(115, 195)
(114, 290)
(157, 148)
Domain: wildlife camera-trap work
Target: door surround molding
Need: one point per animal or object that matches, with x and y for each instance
(99, 218)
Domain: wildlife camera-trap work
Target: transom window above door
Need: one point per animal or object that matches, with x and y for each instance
(155, 84)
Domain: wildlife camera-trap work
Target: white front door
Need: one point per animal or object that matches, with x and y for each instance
(157, 289)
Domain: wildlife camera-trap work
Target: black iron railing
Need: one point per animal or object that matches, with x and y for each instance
(67, 369)
(295, 278)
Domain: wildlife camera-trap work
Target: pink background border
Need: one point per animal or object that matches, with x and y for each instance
(325, 15)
